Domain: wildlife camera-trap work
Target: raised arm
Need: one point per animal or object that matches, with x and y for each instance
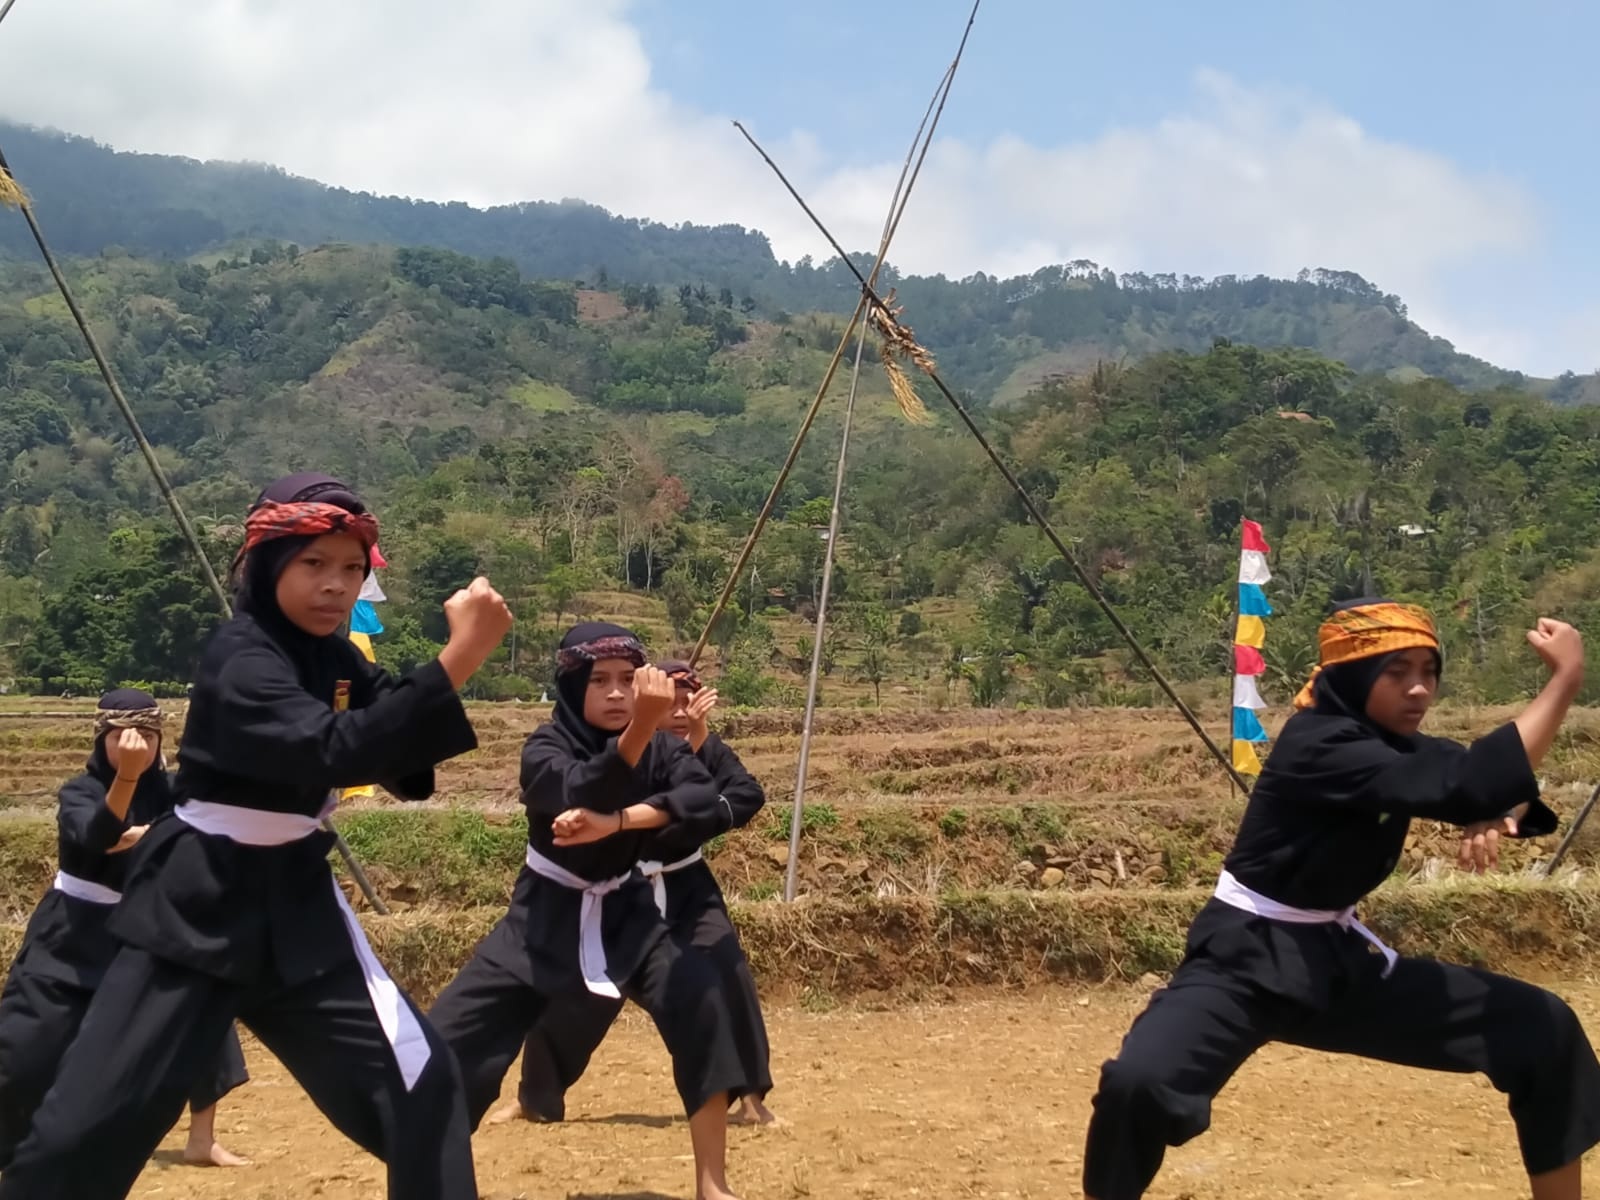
(738, 797)
(1446, 781)
(680, 795)
(1561, 648)
(84, 817)
(741, 793)
(279, 731)
(555, 780)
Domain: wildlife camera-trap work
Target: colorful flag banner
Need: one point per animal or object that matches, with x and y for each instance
(1253, 601)
(1250, 634)
(364, 619)
(364, 626)
(1245, 760)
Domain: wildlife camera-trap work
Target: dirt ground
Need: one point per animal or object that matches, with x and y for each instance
(985, 1097)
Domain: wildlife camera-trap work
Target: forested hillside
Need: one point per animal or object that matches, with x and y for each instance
(998, 337)
(604, 449)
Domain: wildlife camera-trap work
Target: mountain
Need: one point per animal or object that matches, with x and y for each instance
(591, 409)
(997, 338)
(602, 451)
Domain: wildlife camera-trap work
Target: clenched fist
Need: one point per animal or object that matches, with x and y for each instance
(654, 695)
(135, 751)
(478, 615)
(579, 826)
(479, 619)
(1559, 645)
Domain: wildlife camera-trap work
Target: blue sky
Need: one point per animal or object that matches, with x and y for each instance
(1498, 89)
(1444, 151)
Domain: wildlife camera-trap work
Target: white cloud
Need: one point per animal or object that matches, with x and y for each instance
(498, 100)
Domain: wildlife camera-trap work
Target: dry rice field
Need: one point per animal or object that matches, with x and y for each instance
(987, 897)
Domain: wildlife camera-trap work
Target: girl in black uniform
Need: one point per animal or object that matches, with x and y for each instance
(1277, 954)
(559, 1047)
(103, 814)
(231, 909)
(595, 781)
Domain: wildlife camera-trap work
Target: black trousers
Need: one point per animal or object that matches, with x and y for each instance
(39, 1017)
(149, 1036)
(1201, 1028)
(486, 1012)
(571, 1027)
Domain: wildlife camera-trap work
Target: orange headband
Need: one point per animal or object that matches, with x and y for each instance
(1366, 632)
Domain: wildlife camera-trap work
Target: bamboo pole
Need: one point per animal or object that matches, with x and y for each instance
(156, 471)
(908, 176)
(796, 814)
(904, 342)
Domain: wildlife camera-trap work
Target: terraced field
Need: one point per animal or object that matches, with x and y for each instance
(987, 897)
(939, 849)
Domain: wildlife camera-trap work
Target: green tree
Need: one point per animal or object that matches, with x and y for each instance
(446, 564)
(682, 602)
(875, 642)
(562, 585)
(145, 615)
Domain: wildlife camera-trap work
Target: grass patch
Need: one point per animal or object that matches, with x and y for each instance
(825, 951)
(894, 834)
(814, 818)
(1025, 825)
(456, 857)
(27, 864)
(537, 396)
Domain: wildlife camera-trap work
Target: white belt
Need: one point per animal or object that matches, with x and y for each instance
(657, 872)
(591, 944)
(255, 827)
(1231, 891)
(250, 826)
(82, 889)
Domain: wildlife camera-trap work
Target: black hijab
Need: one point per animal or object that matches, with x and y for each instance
(153, 793)
(256, 578)
(574, 664)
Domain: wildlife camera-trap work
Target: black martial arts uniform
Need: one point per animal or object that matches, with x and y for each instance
(1325, 824)
(573, 1025)
(67, 948)
(538, 949)
(249, 923)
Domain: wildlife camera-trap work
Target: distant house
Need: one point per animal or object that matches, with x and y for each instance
(1413, 531)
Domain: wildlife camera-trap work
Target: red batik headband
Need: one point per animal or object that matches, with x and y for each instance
(682, 674)
(627, 648)
(271, 520)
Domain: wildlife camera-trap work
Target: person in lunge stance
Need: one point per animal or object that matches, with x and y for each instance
(231, 909)
(596, 781)
(571, 1028)
(1277, 954)
(102, 815)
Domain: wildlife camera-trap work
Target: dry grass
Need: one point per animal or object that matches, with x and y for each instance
(909, 948)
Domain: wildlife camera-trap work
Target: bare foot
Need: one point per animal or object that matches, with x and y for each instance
(514, 1112)
(212, 1154)
(752, 1111)
(715, 1193)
